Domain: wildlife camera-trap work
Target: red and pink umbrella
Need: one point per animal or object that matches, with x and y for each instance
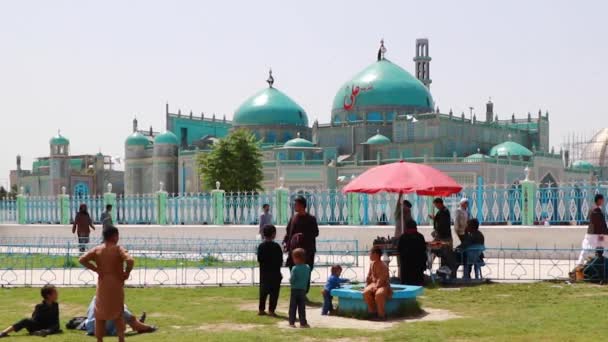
(404, 178)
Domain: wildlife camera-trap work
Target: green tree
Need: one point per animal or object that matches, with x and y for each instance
(13, 193)
(235, 161)
(3, 193)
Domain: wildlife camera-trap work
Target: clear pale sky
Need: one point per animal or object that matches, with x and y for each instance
(89, 67)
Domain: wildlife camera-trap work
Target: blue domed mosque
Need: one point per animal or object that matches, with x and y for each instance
(380, 115)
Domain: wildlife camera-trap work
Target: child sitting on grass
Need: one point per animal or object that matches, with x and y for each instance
(333, 282)
(45, 319)
(299, 280)
(270, 257)
(378, 289)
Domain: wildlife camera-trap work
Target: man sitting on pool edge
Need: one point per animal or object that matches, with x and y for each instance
(378, 289)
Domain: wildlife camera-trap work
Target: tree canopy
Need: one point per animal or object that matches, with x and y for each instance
(235, 161)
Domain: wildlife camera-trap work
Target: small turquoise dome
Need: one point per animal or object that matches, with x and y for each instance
(166, 137)
(510, 148)
(583, 165)
(298, 142)
(383, 84)
(270, 107)
(378, 139)
(59, 140)
(476, 158)
(137, 139)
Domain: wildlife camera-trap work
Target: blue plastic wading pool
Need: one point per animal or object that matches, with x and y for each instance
(351, 303)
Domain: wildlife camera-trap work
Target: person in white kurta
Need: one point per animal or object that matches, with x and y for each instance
(597, 232)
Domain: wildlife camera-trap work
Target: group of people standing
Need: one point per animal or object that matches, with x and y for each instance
(412, 247)
(299, 243)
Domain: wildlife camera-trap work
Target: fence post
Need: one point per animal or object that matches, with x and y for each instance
(64, 207)
(217, 202)
(479, 199)
(354, 219)
(21, 198)
(161, 205)
(528, 199)
(282, 203)
(110, 198)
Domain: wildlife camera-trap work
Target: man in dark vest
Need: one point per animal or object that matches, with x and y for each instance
(597, 232)
(442, 231)
(301, 232)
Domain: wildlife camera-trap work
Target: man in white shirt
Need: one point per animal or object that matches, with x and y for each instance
(461, 218)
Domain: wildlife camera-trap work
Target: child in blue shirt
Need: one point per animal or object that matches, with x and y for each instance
(299, 280)
(333, 282)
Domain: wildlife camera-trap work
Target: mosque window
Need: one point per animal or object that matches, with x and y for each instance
(390, 116)
(352, 117)
(271, 137)
(281, 156)
(393, 153)
(287, 136)
(299, 155)
(374, 117)
(337, 120)
(184, 136)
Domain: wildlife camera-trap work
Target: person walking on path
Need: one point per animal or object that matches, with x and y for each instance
(108, 261)
(597, 232)
(106, 217)
(462, 218)
(82, 227)
(301, 232)
(265, 219)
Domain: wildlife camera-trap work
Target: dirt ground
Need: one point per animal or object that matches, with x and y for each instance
(316, 320)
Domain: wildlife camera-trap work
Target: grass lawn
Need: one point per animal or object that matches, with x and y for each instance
(500, 312)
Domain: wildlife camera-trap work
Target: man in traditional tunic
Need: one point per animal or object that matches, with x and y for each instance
(597, 232)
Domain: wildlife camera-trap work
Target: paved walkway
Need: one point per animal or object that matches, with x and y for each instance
(496, 236)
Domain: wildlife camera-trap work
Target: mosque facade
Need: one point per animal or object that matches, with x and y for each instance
(382, 114)
(77, 175)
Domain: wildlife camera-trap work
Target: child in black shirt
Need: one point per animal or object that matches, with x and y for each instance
(45, 319)
(270, 257)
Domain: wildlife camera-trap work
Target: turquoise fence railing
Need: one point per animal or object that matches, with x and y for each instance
(491, 204)
(200, 262)
(8, 211)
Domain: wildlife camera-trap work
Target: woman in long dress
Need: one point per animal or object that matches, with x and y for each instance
(108, 260)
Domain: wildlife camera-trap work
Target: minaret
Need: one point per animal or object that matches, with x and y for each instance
(134, 124)
(489, 111)
(423, 62)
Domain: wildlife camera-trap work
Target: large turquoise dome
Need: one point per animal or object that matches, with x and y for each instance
(378, 139)
(583, 165)
(270, 107)
(59, 140)
(167, 138)
(383, 85)
(137, 139)
(510, 148)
